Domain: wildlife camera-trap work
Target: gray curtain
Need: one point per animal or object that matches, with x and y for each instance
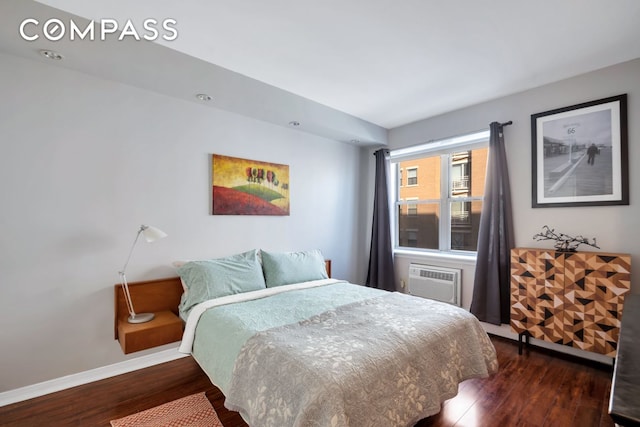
(491, 289)
(381, 274)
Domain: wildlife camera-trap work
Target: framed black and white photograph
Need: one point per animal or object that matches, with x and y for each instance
(579, 155)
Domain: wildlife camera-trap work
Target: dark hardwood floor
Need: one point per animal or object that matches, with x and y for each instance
(539, 388)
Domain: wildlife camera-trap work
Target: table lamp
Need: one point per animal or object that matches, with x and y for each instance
(151, 234)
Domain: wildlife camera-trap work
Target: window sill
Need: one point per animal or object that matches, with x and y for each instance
(436, 255)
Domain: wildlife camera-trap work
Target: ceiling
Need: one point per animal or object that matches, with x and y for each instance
(388, 63)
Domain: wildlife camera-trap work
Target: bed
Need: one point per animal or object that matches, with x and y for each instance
(289, 346)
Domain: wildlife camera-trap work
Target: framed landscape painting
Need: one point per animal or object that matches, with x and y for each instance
(249, 187)
(579, 155)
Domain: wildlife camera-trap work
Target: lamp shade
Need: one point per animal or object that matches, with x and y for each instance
(151, 234)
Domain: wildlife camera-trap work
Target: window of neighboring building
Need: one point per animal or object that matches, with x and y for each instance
(412, 208)
(412, 238)
(412, 176)
(443, 195)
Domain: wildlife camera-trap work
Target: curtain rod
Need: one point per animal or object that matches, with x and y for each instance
(510, 122)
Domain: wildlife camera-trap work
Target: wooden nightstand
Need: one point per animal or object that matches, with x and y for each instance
(155, 296)
(165, 328)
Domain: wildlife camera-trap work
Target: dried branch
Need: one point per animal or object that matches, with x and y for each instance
(564, 243)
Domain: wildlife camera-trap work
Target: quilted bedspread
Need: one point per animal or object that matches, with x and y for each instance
(386, 361)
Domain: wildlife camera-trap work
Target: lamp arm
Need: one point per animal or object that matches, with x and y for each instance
(127, 295)
(123, 277)
(124, 268)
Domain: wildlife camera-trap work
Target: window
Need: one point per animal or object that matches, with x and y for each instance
(412, 176)
(412, 208)
(443, 206)
(412, 238)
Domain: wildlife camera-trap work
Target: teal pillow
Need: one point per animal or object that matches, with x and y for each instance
(208, 279)
(284, 268)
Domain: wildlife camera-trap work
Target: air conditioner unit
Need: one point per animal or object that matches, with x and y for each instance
(438, 283)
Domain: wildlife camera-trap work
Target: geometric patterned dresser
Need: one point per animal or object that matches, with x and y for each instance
(570, 298)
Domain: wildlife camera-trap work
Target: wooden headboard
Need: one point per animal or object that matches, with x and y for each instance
(155, 295)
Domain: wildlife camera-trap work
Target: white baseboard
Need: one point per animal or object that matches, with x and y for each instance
(62, 383)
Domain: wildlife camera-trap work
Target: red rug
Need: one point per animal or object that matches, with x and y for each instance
(190, 411)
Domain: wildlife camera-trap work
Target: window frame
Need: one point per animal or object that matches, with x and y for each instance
(444, 148)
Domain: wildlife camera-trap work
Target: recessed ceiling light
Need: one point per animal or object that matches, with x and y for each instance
(355, 141)
(294, 123)
(50, 54)
(203, 97)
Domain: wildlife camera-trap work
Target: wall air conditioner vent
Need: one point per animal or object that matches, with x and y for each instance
(438, 283)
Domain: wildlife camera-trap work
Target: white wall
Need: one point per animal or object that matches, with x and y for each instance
(617, 228)
(85, 161)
